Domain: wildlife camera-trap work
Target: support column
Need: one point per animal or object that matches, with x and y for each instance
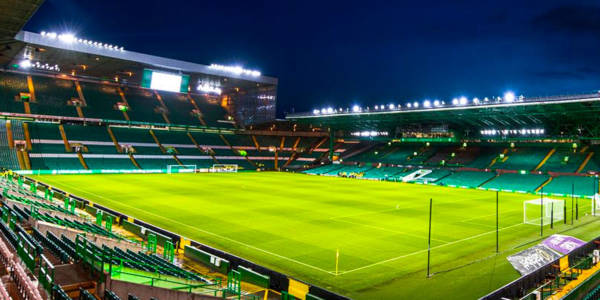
(9, 135)
(27, 136)
(331, 137)
(124, 100)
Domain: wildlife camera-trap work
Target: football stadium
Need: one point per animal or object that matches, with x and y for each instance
(133, 176)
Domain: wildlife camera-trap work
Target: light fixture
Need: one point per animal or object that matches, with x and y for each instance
(25, 64)
(70, 38)
(509, 97)
(238, 70)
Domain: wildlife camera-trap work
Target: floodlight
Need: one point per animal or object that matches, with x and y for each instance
(67, 38)
(408, 105)
(436, 103)
(25, 64)
(427, 103)
(323, 111)
(416, 104)
(455, 101)
(356, 108)
(509, 96)
(476, 100)
(463, 100)
(329, 110)
(391, 106)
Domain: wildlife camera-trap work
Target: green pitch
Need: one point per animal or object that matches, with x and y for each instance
(295, 223)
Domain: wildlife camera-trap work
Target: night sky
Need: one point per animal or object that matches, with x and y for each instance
(341, 53)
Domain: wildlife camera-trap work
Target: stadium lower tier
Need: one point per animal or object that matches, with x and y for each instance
(563, 185)
(53, 146)
(557, 158)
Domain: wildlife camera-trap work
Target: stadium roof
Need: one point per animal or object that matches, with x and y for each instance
(561, 115)
(15, 13)
(87, 60)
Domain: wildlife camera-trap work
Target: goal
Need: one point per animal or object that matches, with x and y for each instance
(181, 169)
(543, 210)
(595, 205)
(224, 168)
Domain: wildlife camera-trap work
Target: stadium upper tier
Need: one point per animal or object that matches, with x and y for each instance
(69, 97)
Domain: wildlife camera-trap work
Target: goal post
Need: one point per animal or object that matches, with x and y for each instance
(181, 169)
(224, 168)
(595, 205)
(544, 210)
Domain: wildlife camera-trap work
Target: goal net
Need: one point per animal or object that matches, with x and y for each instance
(543, 210)
(595, 205)
(224, 168)
(181, 169)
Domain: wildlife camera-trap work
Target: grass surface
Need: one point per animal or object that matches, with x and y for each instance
(295, 223)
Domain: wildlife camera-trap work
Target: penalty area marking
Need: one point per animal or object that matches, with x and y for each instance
(425, 250)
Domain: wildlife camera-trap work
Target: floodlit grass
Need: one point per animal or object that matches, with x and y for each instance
(295, 223)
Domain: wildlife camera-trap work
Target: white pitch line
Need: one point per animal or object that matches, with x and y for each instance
(424, 250)
(388, 230)
(204, 231)
(491, 215)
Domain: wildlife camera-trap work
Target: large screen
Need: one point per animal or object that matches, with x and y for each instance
(164, 81)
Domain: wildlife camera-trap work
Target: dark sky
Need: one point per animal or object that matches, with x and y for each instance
(360, 52)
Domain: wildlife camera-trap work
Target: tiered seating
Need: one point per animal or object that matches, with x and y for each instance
(522, 159)
(564, 160)
(485, 157)
(48, 149)
(146, 262)
(101, 100)
(52, 96)
(211, 112)
(133, 135)
(58, 249)
(348, 170)
(10, 86)
(434, 176)
(441, 154)
(464, 156)
(142, 104)
(398, 155)
(382, 173)
(467, 178)
(594, 163)
(323, 169)
(180, 108)
(83, 226)
(579, 185)
(517, 182)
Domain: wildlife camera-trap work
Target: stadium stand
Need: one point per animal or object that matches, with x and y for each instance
(567, 185)
(101, 101)
(467, 178)
(517, 182)
(521, 159)
(11, 85)
(52, 96)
